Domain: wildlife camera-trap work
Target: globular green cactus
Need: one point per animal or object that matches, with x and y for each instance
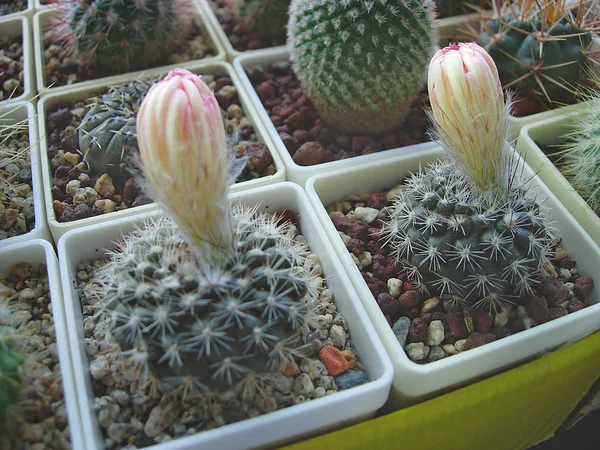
(579, 157)
(10, 361)
(361, 62)
(207, 321)
(110, 36)
(107, 134)
(542, 48)
(467, 247)
(265, 17)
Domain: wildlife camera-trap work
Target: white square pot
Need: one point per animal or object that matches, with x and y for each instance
(27, 12)
(41, 20)
(276, 428)
(550, 131)
(297, 173)
(17, 112)
(14, 25)
(79, 93)
(37, 251)
(413, 382)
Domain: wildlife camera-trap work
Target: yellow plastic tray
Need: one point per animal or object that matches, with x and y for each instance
(510, 411)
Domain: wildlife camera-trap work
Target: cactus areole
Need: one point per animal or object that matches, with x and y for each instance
(362, 63)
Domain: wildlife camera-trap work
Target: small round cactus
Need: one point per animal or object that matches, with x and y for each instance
(10, 361)
(110, 36)
(542, 48)
(107, 135)
(361, 62)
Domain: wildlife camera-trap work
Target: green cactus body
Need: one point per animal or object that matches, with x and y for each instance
(265, 17)
(467, 247)
(107, 136)
(10, 361)
(539, 58)
(579, 159)
(118, 35)
(362, 63)
(211, 322)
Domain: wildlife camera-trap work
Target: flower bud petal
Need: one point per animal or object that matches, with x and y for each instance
(184, 156)
(468, 109)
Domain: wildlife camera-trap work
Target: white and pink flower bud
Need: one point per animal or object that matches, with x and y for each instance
(468, 110)
(184, 156)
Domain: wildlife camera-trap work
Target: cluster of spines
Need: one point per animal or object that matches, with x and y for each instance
(543, 49)
(469, 248)
(212, 323)
(267, 17)
(117, 35)
(362, 63)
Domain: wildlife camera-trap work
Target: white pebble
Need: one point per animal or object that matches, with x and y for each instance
(501, 318)
(365, 259)
(366, 214)
(417, 351)
(459, 345)
(449, 348)
(99, 368)
(435, 333)
(394, 286)
(338, 336)
(430, 304)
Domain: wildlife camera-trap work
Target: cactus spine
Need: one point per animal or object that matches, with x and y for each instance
(361, 63)
(542, 48)
(109, 36)
(267, 18)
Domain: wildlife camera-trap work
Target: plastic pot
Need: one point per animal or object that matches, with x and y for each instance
(15, 25)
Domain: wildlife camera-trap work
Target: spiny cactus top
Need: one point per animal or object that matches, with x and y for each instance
(117, 35)
(267, 17)
(10, 361)
(107, 135)
(542, 48)
(212, 323)
(361, 62)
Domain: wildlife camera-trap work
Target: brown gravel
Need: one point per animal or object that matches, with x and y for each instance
(12, 67)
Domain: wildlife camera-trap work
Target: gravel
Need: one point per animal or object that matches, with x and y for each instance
(12, 67)
(38, 420)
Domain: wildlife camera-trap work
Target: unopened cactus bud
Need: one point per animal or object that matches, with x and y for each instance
(185, 159)
(468, 109)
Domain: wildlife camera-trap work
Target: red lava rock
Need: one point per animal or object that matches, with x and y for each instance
(418, 330)
(301, 136)
(482, 322)
(409, 299)
(309, 154)
(537, 308)
(575, 305)
(449, 340)
(515, 324)
(290, 142)
(478, 339)
(583, 288)
(456, 322)
(299, 119)
(75, 212)
(60, 118)
(334, 360)
(558, 311)
(259, 155)
(266, 91)
(389, 320)
(354, 228)
(567, 263)
(413, 313)
(355, 246)
(388, 304)
(554, 291)
(377, 201)
(359, 143)
(130, 190)
(408, 287)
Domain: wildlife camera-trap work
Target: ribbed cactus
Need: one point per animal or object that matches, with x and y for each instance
(117, 35)
(215, 323)
(465, 229)
(10, 361)
(579, 157)
(107, 136)
(267, 17)
(361, 62)
(542, 48)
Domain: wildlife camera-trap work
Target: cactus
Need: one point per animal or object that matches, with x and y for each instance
(11, 6)
(541, 47)
(107, 137)
(579, 157)
(361, 63)
(10, 361)
(214, 323)
(464, 229)
(267, 18)
(109, 36)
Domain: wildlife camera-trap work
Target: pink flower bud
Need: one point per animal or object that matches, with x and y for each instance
(184, 156)
(468, 109)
